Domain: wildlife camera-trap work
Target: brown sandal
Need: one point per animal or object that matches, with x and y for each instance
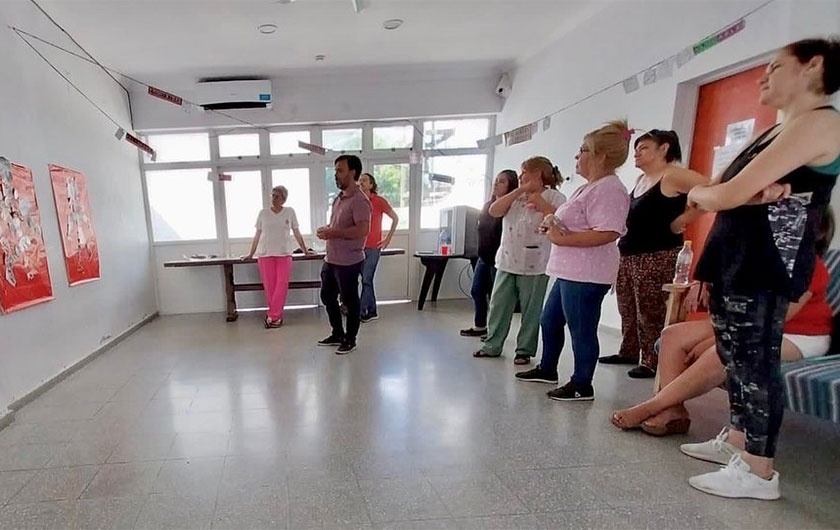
(676, 426)
(519, 360)
(481, 355)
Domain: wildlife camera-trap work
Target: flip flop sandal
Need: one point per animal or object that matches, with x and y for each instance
(677, 426)
(480, 354)
(519, 360)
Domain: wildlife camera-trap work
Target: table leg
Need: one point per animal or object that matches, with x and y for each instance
(232, 314)
(439, 269)
(427, 282)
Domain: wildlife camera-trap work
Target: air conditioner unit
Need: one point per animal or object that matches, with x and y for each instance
(234, 94)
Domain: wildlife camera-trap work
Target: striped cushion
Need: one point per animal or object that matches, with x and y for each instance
(832, 296)
(812, 386)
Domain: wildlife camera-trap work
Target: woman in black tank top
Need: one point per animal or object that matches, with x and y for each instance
(649, 249)
(760, 253)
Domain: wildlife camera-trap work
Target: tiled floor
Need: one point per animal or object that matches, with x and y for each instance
(194, 423)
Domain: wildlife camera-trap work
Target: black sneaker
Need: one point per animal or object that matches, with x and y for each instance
(332, 340)
(617, 359)
(473, 332)
(641, 372)
(537, 376)
(345, 348)
(369, 318)
(572, 392)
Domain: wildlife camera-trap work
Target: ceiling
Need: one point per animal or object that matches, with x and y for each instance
(208, 38)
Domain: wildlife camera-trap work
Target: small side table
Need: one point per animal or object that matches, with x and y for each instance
(435, 266)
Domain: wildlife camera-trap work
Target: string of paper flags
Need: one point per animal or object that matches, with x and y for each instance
(650, 75)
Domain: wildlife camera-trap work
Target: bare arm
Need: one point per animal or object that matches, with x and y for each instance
(797, 306)
(395, 219)
(690, 214)
(587, 238)
(501, 205)
(681, 180)
(805, 140)
(254, 244)
(300, 241)
(540, 204)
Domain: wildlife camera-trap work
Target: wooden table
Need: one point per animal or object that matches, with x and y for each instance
(435, 267)
(231, 287)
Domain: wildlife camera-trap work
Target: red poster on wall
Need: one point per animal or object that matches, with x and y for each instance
(81, 253)
(24, 272)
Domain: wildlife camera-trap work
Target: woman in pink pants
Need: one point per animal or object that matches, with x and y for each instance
(273, 248)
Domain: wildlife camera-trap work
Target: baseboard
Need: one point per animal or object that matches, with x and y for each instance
(70, 370)
(6, 418)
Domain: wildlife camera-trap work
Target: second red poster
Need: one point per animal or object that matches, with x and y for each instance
(75, 223)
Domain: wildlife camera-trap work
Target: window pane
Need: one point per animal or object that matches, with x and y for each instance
(452, 134)
(285, 143)
(181, 204)
(239, 145)
(343, 139)
(399, 137)
(191, 147)
(243, 201)
(392, 185)
(297, 182)
(332, 189)
(468, 175)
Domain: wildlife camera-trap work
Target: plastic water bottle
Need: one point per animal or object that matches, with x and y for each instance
(444, 242)
(684, 259)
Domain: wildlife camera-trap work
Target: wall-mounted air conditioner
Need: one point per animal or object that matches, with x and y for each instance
(234, 94)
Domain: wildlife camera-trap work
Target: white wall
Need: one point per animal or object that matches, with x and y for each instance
(45, 121)
(622, 40)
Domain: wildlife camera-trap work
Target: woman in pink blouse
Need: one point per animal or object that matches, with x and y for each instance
(584, 258)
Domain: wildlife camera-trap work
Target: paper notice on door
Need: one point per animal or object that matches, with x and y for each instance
(739, 132)
(724, 155)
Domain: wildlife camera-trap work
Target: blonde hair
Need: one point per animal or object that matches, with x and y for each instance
(551, 176)
(282, 191)
(613, 141)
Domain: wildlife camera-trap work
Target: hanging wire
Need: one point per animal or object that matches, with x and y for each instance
(79, 90)
(247, 123)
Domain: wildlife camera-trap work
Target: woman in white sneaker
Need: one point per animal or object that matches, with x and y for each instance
(761, 251)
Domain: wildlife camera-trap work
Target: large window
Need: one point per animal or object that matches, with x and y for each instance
(343, 139)
(286, 143)
(453, 134)
(451, 181)
(394, 137)
(239, 145)
(449, 169)
(181, 204)
(192, 147)
(296, 180)
(392, 181)
(243, 201)
(332, 189)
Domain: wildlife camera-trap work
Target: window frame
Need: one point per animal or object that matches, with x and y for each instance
(316, 163)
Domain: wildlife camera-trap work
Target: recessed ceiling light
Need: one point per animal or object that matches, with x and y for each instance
(320, 57)
(267, 29)
(394, 23)
(285, 1)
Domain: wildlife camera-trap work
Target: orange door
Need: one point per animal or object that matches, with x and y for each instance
(728, 100)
